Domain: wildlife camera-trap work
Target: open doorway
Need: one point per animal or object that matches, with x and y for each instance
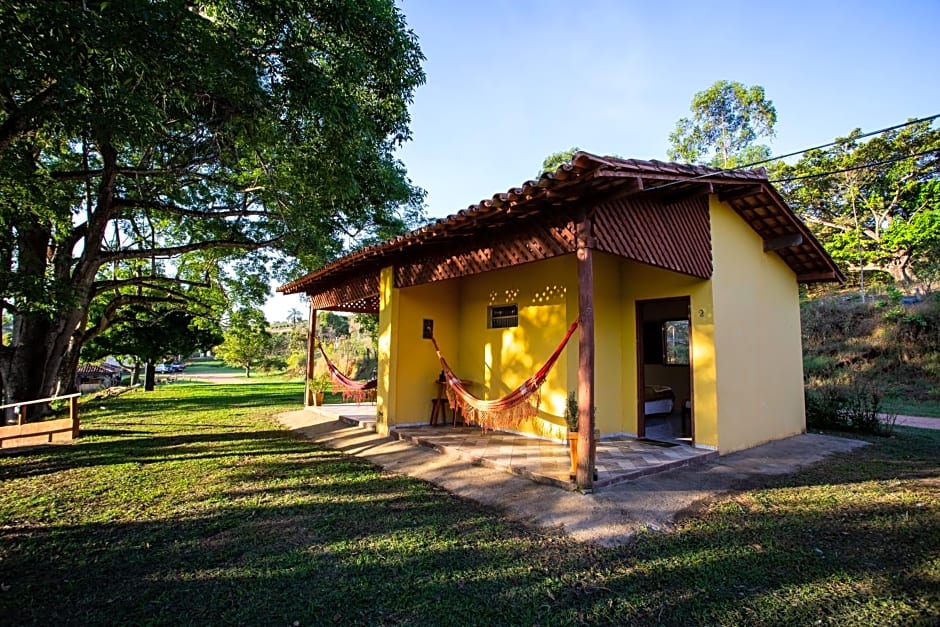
(664, 370)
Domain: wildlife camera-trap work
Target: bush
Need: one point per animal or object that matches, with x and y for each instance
(847, 408)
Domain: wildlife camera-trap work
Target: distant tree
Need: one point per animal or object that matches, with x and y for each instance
(727, 118)
(247, 340)
(294, 316)
(874, 204)
(150, 335)
(331, 326)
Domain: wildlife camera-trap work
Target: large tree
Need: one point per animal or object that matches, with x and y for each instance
(155, 150)
(148, 334)
(727, 119)
(875, 203)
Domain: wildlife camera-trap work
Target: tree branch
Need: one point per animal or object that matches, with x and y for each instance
(212, 212)
(832, 225)
(18, 120)
(149, 281)
(174, 251)
(109, 317)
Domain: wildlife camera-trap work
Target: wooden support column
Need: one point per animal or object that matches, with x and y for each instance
(586, 451)
(311, 347)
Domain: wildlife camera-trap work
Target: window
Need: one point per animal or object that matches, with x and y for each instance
(503, 317)
(676, 342)
(666, 342)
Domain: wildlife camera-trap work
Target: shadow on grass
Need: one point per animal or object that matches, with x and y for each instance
(376, 549)
(273, 530)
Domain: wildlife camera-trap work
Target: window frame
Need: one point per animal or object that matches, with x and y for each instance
(502, 316)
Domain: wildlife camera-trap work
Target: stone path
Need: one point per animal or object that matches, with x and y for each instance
(609, 516)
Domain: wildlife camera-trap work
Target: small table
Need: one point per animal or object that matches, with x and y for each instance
(439, 404)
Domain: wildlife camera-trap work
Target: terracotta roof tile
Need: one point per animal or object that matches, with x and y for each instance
(592, 173)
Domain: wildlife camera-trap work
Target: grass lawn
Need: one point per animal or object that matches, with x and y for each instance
(908, 407)
(211, 366)
(189, 505)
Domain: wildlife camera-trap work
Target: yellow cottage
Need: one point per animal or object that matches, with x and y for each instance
(684, 280)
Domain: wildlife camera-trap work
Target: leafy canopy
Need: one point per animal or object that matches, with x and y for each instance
(727, 119)
(874, 204)
(181, 151)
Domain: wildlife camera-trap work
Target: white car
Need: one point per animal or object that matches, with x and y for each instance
(161, 369)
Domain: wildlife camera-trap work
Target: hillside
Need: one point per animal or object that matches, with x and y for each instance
(883, 347)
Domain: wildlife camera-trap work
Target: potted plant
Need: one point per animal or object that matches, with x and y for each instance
(318, 386)
(571, 421)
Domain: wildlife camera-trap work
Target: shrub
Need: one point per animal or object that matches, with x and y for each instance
(851, 407)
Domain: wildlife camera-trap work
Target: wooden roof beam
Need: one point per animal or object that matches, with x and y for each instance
(743, 192)
(789, 240)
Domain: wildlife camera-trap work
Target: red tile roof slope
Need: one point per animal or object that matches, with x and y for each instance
(748, 191)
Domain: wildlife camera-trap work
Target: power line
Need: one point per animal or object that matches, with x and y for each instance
(719, 171)
(856, 167)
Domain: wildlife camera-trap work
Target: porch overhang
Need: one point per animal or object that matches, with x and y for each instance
(647, 211)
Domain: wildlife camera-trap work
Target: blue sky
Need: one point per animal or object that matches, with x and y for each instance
(511, 81)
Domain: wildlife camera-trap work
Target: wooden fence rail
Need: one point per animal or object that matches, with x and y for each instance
(43, 432)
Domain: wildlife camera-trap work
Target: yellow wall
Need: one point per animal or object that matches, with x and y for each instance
(499, 360)
(642, 282)
(406, 390)
(388, 349)
(746, 355)
(757, 337)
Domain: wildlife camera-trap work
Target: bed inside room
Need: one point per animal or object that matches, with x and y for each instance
(666, 371)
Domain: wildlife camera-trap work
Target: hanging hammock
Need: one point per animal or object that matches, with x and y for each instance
(505, 412)
(350, 388)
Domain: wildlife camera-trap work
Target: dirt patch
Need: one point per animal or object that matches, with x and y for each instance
(609, 516)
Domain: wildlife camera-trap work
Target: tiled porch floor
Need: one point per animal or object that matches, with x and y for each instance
(618, 459)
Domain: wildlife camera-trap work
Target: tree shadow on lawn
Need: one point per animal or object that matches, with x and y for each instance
(141, 447)
(396, 550)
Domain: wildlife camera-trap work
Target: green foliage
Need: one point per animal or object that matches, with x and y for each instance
(873, 218)
(846, 408)
(154, 335)
(556, 159)
(247, 341)
(853, 350)
(167, 151)
(571, 411)
(727, 118)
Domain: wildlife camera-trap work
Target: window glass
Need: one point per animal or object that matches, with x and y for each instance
(676, 342)
(503, 316)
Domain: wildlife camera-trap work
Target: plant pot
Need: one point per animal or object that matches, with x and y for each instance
(573, 453)
(318, 398)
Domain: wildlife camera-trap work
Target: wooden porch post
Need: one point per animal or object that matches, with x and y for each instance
(311, 347)
(585, 240)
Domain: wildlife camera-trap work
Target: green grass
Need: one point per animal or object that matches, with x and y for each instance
(188, 505)
(211, 366)
(911, 407)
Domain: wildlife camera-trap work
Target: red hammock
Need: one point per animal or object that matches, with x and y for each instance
(350, 388)
(510, 410)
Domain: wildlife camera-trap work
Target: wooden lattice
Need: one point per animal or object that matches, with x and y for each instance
(502, 250)
(673, 236)
(356, 294)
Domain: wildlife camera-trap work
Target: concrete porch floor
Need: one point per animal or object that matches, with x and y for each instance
(618, 459)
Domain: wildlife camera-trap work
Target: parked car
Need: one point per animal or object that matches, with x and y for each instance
(162, 369)
(177, 367)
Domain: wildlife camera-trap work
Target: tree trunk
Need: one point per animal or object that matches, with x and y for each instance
(135, 373)
(149, 377)
(247, 371)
